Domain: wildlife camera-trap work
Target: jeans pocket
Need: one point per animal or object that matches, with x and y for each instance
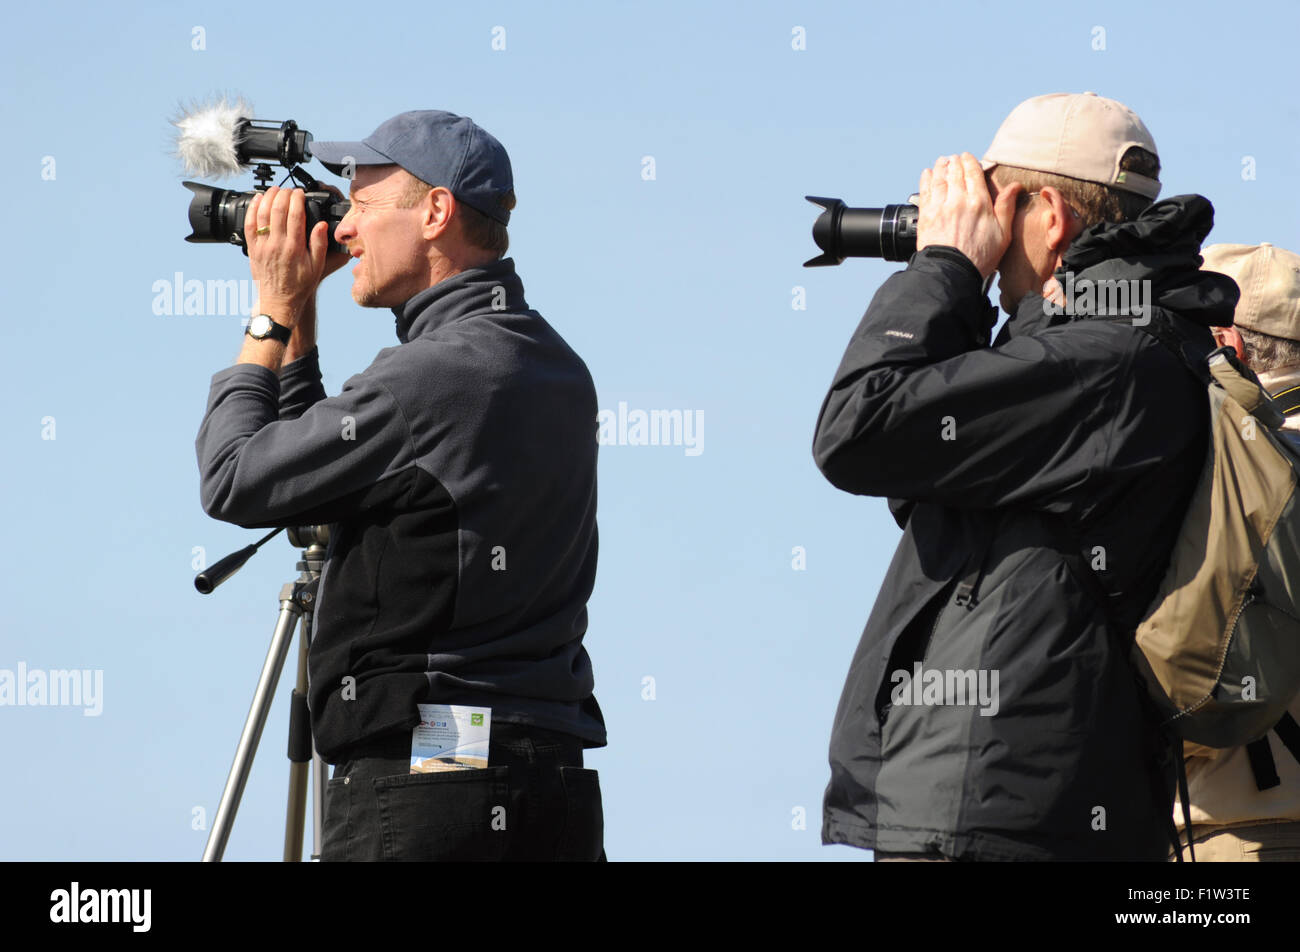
(334, 831)
(448, 815)
(583, 837)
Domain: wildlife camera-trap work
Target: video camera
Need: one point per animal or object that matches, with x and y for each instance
(220, 140)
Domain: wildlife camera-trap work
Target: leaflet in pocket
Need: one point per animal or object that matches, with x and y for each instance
(450, 737)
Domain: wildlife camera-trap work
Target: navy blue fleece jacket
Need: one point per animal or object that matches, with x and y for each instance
(458, 475)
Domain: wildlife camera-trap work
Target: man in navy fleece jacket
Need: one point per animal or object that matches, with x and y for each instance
(458, 475)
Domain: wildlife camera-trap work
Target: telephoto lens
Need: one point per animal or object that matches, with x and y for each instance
(843, 232)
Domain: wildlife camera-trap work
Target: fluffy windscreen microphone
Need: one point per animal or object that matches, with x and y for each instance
(208, 135)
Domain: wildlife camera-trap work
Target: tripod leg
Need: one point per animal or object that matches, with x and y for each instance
(300, 756)
(319, 777)
(252, 733)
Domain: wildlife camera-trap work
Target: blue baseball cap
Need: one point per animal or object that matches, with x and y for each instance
(437, 147)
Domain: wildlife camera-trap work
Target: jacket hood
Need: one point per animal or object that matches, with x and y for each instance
(1163, 246)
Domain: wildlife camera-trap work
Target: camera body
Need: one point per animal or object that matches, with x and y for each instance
(217, 214)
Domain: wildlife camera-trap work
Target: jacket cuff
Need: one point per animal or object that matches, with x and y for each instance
(965, 280)
(947, 253)
(261, 379)
(300, 385)
(308, 363)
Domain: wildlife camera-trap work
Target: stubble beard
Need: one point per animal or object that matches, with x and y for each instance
(364, 293)
(365, 297)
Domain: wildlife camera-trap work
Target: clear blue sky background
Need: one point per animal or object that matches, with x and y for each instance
(677, 292)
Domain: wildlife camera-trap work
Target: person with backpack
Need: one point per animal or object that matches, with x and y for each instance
(991, 711)
(1245, 800)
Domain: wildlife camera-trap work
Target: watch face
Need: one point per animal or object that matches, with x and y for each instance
(259, 326)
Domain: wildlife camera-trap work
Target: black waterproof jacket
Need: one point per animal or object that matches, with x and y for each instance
(1028, 476)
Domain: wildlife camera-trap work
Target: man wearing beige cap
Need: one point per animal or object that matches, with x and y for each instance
(1245, 802)
(991, 712)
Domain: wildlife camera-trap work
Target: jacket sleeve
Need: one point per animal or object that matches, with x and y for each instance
(922, 409)
(334, 459)
(300, 385)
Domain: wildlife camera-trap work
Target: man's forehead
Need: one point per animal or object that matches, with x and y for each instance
(374, 179)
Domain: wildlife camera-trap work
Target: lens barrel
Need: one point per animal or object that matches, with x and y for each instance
(217, 214)
(843, 232)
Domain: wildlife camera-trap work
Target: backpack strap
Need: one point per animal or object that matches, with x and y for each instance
(1288, 731)
(1162, 329)
(1186, 799)
(1262, 764)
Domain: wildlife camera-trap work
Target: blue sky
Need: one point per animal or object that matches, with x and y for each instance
(676, 290)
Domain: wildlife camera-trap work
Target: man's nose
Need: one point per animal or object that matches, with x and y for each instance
(344, 229)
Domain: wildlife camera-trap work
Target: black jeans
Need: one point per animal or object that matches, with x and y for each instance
(535, 802)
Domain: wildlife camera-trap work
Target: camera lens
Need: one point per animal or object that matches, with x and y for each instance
(843, 232)
(217, 214)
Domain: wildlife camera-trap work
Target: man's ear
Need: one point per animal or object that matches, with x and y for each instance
(1230, 337)
(439, 208)
(1063, 223)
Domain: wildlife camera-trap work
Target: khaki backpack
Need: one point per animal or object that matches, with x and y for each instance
(1219, 647)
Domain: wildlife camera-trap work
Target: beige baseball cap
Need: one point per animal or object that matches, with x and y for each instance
(1080, 135)
(1269, 279)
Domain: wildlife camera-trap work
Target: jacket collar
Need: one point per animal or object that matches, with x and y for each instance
(493, 288)
(1161, 246)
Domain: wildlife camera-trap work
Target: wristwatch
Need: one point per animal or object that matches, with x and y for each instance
(261, 327)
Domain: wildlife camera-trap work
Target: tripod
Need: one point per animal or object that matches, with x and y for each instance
(297, 600)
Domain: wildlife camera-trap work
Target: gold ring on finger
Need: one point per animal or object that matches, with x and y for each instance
(264, 230)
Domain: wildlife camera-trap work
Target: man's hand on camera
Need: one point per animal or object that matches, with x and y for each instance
(285, 264)
(956, 210)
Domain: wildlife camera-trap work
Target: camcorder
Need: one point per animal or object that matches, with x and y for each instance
(221, 140)
(843, 232)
